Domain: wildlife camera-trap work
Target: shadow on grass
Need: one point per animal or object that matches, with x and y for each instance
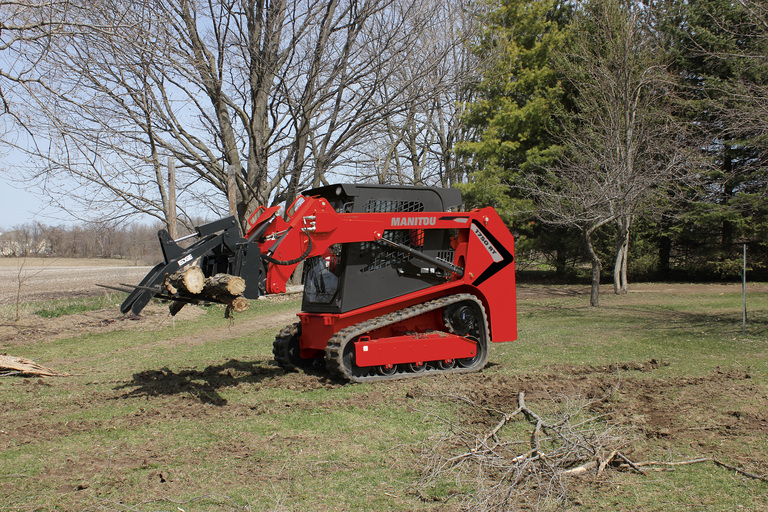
(203, 384)
(724, 322)
(661, 320)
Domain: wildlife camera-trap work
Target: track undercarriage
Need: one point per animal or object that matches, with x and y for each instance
(445, 335)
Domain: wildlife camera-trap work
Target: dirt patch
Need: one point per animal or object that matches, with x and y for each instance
(719, 414)
(31, 327)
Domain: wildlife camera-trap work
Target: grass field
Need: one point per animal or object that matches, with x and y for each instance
(193, 415)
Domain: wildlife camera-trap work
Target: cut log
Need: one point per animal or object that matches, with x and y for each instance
(237, 305)
(189, 280)
(224, 283)
(191, 285)
(240, 304)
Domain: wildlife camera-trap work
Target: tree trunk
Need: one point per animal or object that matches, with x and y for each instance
(594, 298)
(171, 214)
(665, 254)
(223, 283)
(622, 254)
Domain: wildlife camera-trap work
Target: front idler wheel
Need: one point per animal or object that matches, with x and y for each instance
(467, 319)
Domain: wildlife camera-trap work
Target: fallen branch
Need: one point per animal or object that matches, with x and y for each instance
(701, 460)
(508, 466)
(556, 448)
(630, 463)
(753, 476)
(22, 366)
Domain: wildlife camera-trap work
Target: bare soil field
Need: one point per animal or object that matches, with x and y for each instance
(37, 279)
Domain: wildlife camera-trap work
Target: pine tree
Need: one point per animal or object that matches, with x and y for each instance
(517, 95)
(721, 48)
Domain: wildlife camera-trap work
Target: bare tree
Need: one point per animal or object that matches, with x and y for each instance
(622, 148)
(415, 146)
(24, 24)
(281, 92)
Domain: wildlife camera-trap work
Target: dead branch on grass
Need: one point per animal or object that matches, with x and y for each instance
(507, 469)
(13, 365)
(655, 465)
(506, 466)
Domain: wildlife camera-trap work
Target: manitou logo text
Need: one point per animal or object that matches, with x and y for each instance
(487, 244)
(406, 222)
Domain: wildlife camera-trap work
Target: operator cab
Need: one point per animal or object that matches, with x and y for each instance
(354, 275)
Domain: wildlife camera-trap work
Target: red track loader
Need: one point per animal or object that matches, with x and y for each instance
(396, 283)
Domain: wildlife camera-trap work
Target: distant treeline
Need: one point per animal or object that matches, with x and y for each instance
(135, 242)
(692, 251)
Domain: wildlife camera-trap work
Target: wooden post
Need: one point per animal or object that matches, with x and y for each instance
(172, 198)
(744, 294)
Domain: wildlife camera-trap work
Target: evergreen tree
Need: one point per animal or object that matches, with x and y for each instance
(721, 48)
(517, 94)
(511, 119)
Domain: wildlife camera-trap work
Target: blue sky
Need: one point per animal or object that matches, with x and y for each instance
(19, 206)
(16, 206)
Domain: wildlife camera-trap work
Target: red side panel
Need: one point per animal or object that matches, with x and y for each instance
(437, 346)
(491, 269)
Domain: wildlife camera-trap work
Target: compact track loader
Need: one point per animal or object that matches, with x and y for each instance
(397, 282)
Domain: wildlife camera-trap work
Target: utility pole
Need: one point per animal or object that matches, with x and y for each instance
(744, 293)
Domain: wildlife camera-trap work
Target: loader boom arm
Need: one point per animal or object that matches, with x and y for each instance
(311, 226)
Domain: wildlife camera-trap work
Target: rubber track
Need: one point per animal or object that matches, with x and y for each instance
(334, 351)
(280, 347)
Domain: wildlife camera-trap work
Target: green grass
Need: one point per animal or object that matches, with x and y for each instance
(194, 415)
(62, 307)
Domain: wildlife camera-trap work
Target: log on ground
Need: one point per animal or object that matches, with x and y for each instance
(10, 365)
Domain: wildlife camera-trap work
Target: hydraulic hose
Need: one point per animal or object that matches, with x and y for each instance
(274, 261)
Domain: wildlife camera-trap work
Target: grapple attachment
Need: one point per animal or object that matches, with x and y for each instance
(219, 248)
